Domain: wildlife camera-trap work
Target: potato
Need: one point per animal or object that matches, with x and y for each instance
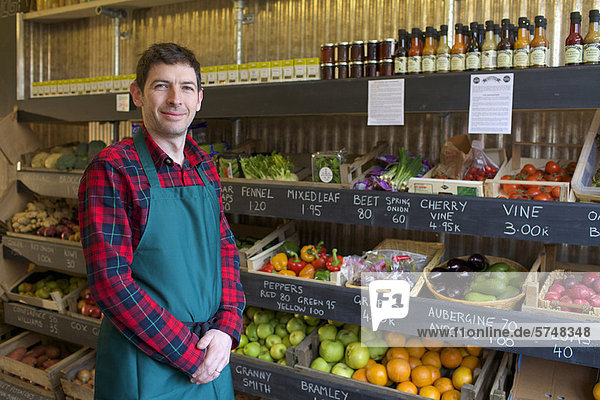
(17, 354)
(36, 351)
(48, 363)
(52, 351)
(41, 359)
(29, 360)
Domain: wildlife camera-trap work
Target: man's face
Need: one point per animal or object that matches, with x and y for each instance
(170, 99)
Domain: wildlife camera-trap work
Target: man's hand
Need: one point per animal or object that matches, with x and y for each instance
(218, 349)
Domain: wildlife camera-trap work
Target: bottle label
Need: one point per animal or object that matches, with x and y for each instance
(539, 57)
(489, 59)
(473, 60)
(429, 63)
(457, 62)
(591, 53)
(574, 54)
(521, 58)
(505, 59)
(414, 64)
(400, 65)
(443, 62)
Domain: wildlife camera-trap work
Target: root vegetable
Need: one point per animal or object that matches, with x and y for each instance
(17, 354)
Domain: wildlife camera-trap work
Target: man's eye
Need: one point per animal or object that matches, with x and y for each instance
(188, 88)
(160, 86)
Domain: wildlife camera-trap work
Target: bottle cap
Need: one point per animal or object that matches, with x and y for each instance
(474, 26)
(575, 17)
(523, 22)
(594, 15)
(489, 25)
(506, 22)
(430, 30)
(444, 28)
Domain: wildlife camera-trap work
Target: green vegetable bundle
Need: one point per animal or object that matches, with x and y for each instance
(271, 167)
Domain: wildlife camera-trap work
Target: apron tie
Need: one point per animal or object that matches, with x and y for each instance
(200, 328)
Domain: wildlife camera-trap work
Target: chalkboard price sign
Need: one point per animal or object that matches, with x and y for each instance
(65, 257)
(9, 391)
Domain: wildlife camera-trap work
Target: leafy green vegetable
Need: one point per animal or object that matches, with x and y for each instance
(326, 167)
(271, 167)
(398, 173)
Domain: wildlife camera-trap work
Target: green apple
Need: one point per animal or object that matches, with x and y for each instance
(282, 362)
(368, 335)
(266, 356)
(320, 364)
(251, 332)
(286, 341)
(335, 323)
(377, 352)
(345, 336)
(263, 348)
(310, 328)
(241, 351)
(271, 340)
(352, 328)
(283, 317)
(356, 356)
(311, 320)
(243, 340)
(295, 324)
(327, 332)
(252, 349)
(264, 330)
(278, 351)
(331, 350)
(261, 317)
(245, 320)
(250, 311)
(274, 323)
(342, 369)
(281, 331)
(296, 337)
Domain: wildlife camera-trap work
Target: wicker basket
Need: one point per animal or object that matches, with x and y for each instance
(505, 304)
(433, 250)
(549, 304)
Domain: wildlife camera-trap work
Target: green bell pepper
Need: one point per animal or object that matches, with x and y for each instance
(290, 247)
(322, 275)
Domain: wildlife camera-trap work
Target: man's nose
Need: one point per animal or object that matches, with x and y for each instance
(174, 95)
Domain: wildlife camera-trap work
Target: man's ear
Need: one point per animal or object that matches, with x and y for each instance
(136, 94)
(200, 97)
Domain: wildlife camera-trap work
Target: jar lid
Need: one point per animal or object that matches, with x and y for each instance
(342, 64)
(373, 41)
(327, 65)
(389, 40)
(356, 63)
(343, 44)
(358, 42)
(372, 62)
(328, 45)
(387, 60)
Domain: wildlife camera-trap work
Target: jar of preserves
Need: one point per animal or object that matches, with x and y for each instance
(327, 71)
(327, 53)
(356, 69)
(342, 70)
(357, 51)
(387, 49)
(386, 67)
(343, 49)
(371, 68)
(372, 50)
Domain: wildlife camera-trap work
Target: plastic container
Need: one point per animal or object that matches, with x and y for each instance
(326, 166)
(587, 165)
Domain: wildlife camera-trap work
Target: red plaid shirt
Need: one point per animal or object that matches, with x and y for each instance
(113, 213)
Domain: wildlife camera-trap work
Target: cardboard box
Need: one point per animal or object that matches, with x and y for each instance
(80, 86)
(536, 379)
(313, 68)
(265, 71)
(287, 67)
(254, 72)
(276, 71)
(222, 74)
(211, 76)
(244, 73)
(300, 68)
(203, 77)
(232, 74)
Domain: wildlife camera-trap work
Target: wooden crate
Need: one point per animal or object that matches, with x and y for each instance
(48, 378)
(67, 374)
(503, 382)
(268, 235)
(351, 173)
(588, 164)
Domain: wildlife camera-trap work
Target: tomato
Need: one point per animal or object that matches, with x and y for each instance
(543, 197)
(556, 192)
(534, 177)
(571, 167)
(565, 178)
(509, 188)
(552, 167)
(528, 169)
(521, 176)
(517, 195)
(533, 191)
(507, 177)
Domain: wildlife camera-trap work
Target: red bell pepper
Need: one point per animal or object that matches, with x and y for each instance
(334, 263)
(267, 267)
(321, 250)
(295, 263)
(320, 262)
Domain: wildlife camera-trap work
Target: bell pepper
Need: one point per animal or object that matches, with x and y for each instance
(322, 275)
(290, 247)
(307, 272)
(334, 263)
(321, 250)
(279, 261)
(296, 264)
(287, 272)
(308, 253)
(268, 267)
(320, 262)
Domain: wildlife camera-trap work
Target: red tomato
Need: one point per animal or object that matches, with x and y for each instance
(556, 192)
(508, 189)
(534, 177)
(533, 191)
(507, 177)
(543, 197)
(552, 167)
(565, 178)
(528, 169)
(571, 167)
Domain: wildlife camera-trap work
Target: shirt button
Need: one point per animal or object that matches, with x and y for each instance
(168, 161)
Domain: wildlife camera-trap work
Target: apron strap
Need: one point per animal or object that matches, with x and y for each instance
(200, 328)
(146, 159)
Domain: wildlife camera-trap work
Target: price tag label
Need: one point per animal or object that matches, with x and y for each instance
(123, 102)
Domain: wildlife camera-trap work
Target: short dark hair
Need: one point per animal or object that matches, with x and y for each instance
(167, 53)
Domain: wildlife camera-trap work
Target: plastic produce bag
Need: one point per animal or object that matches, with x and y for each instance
(386, 264)
(452, 157)
(478, 165)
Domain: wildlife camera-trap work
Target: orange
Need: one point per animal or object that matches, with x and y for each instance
(395, 339)
(443, 384)
(415, 348)
(460, 376)
(414, 362)
(471, 362)
(463, 351)
(397, 352)
(451, 395)
(433, 344)
(371, 362)
(431, 358)
(360, 375)
(435, 372)
(450, 357)
(398, 370)
(384, 361)
(389, 382)
(407, 387)
(596, 391)
(421, 376)
(377, 374)
(430, 392)
(474, 350)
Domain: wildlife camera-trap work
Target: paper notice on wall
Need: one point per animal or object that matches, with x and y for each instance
(123, 102)
(386, 102)
(490, 107)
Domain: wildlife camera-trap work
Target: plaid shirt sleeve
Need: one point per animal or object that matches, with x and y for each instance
(104, 194)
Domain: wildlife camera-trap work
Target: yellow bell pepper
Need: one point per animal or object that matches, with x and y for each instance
(279, 261)
(308, 253)
(287, 272)
(307, 272)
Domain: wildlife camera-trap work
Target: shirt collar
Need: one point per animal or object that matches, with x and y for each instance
(193, 154)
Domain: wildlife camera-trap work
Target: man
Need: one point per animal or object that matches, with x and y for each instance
(161, 259)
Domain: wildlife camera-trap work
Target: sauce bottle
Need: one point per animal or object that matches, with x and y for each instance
(481, 34)
(415, 54)
(513, 34)
(401, 55)
(457, 59)
(539, 45)
(591, 43)
(443, 51)
(531, 31)
(574, 42)
(497, 34)
(473, 62)
(505, 47)
(489, 54)
(429, 61)
(466, 34)
(521, 54)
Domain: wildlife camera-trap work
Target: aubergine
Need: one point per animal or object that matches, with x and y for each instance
(454, 292)
(455, 263)
(478, 262)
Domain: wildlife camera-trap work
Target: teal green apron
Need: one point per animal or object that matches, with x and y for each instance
(178, 263)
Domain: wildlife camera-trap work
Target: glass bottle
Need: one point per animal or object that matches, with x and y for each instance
(505, 47)
(539, 45)
(591, 43)
(497, 34)
(429, 62)
(488, 50)
(521, 46)
(466, 34)
(473, 62)
(401, 55)
(531, 31)
(459, 49)
(415, 54)
(513, 34)
(443, 51)
(574, 42)
(481, 34)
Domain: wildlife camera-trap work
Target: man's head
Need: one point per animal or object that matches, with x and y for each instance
(167, 88)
